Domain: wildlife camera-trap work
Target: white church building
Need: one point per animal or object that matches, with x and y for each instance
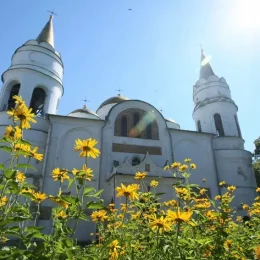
(132, 134)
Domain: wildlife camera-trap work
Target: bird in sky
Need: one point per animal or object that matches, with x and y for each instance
(129, 9)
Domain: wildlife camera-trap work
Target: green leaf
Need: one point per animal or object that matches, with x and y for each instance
(25, 165)
(88, 190)
(6, 148)
(95, 195)
(2, 167)
(71, 181)
(70, 199)
(159, 194)
(94, 205)
(22, 141)
(83, 217)
(9, 173)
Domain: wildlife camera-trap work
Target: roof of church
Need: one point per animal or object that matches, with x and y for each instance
(47, 35)
(84, 110)
(117, 99)
(205, 68)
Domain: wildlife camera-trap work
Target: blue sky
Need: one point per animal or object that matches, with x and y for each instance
(152, 53)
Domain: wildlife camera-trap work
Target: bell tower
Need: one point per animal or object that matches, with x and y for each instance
(36, 74)
(215, 111)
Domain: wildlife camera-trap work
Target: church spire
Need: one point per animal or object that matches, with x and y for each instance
(205, 68)
(47, 35)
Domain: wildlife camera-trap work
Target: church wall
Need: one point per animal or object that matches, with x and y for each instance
(235, 167)
(118, 148)
(64, 132)
(198, 147)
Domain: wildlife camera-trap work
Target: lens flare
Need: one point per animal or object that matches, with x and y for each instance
(145, 121)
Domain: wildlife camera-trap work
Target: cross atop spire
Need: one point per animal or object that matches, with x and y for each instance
(119, 91)
(205, 68)
(47, 35)
(85, 102)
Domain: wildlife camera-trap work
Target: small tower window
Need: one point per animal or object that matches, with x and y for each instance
(147, 167)
(37, 101)
(14, 91)
(199, 126)
(238, 127)
(124, 126)
(219, 125)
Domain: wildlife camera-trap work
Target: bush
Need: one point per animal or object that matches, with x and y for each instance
(191, 227)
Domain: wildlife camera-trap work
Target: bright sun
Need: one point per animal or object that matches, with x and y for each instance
(246, 15)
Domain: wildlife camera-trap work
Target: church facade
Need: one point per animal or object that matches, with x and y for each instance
(132, 134)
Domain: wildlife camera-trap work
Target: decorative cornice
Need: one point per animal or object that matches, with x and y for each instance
(207, 101)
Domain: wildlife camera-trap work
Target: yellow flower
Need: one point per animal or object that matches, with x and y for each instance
(173, 203)
(22, 114)
(179, 216)
(136, 215)
(227, 244)
(258, 189)
(62, 215)
(128, 191)
(3, 201)
(187, 160)
(87, 148)
(100, 215)
(245, 206)
(160, 224)
(231, 188)
(34, 154)
(218, 197)
(257, 252)
(202, 203)
(211, 215)
(4, 239)
(60, 174)
(183, 167)
(175, 164)
(39, 197)
(181, 191)
(140, 175)
(203, 191)
(14, 133)
(113, 250)
(154, 183)
(28, 190)
(167, 167)
(19, 101)
(222, 183)
(20, 177)
(193, 166)
(85, 173)
(59, 201)
(22, 148)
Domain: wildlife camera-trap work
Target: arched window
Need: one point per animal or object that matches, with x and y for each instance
(238, 127)
(136, 123)
(149, 131)
(199, 126)
(136, 161)
(14, 91)
(136, 118)
(124, 126)
(219, 125)
(37, 101)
